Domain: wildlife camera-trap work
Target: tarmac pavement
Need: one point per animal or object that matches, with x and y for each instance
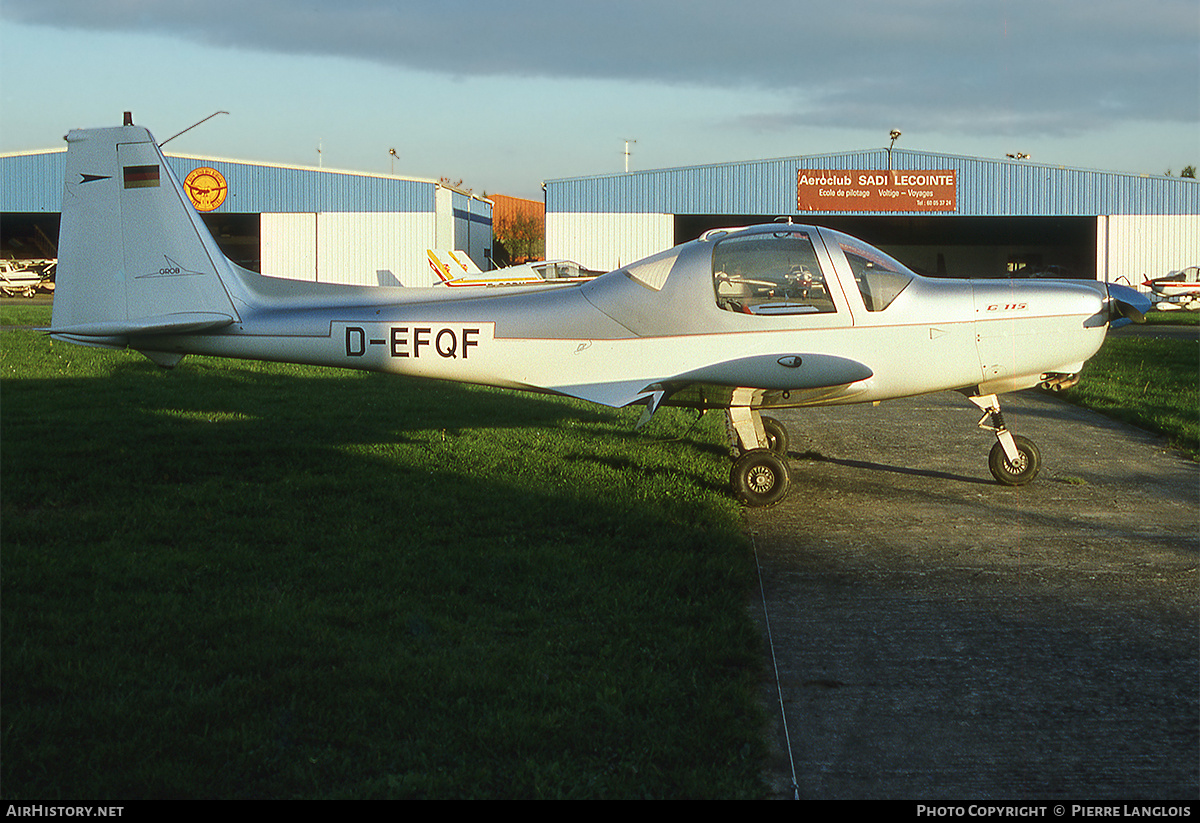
(941, 637)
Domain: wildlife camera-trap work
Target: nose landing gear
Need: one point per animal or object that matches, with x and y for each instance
(1014, 460)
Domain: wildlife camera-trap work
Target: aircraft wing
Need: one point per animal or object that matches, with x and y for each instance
(716, 383)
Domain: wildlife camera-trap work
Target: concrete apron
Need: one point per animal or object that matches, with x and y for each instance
(941, 637)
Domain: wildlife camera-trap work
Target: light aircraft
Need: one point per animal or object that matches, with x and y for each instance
(27, 278)
(1177, 290)
(456, 269)
(743, 320)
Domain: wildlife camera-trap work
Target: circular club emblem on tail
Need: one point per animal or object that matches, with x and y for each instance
(206, 188)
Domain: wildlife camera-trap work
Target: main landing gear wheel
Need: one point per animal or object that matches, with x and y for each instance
(1018, 473)
(760, 477)
(777, 436)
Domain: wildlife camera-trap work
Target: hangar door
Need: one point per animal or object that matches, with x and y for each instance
(948, 246)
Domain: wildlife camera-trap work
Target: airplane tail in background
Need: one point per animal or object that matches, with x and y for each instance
(135, 259)
(451, 265)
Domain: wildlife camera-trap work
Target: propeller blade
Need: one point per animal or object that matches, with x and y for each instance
(1129, 304)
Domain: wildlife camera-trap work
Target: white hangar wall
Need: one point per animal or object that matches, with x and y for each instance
(375, 248)
(606, 241)
(1133, 248)
(362, 248)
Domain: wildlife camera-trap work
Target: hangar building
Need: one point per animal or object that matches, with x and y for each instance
(941, 214)
(287, 221)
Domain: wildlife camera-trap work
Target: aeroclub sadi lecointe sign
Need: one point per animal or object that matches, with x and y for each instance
(874, 190)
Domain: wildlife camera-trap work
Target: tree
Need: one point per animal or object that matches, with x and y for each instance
(522, 234)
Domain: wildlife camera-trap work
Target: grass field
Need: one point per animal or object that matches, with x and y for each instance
(250, 580)
(1173, 318)
(1149, 382)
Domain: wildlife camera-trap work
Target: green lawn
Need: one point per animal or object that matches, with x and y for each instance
(252, 580)
(1173, 318)
(1149, 382)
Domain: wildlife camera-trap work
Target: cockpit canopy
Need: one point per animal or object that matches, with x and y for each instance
(774, 273)
(720, 281)
(779, 272)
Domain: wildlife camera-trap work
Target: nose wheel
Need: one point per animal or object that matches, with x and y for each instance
(1014, 460)
(1015, 472)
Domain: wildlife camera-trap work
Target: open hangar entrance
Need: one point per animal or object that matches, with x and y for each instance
(34, 235)
(951, 246)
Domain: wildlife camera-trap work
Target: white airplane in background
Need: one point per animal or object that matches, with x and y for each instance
(743, 320)
(1177, 290)
(456, 269)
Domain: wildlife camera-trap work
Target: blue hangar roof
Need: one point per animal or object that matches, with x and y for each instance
(985, 187)
(32, 182)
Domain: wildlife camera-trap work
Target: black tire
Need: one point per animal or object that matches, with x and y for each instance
(777, 436)
(760, 478)
(1015, 475)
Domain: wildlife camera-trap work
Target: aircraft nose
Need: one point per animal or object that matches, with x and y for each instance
(1028, 329)
(1018, 300)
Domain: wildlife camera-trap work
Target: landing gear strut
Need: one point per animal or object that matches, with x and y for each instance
(760, 475)
(1014, 460)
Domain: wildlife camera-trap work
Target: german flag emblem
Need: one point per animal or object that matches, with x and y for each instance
(141, 177)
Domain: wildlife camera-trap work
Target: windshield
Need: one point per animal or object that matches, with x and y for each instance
(880, 278)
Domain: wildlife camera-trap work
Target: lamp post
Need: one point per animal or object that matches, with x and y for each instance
(895, 135)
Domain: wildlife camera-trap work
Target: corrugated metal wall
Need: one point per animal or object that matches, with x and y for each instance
(317, 224)
(986, 187)
(288, 246)
(256, 188)
(607, 241)
(362, 248)
(32, 182)
(473, 228)
(1140, 247)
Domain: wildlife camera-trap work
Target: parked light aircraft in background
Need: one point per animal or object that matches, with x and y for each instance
(741, 319)
(1177, 290)
(456, 269)
(26, 278)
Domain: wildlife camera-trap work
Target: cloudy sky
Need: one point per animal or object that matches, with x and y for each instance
(504, 95)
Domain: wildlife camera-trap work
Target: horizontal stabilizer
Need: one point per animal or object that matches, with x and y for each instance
(180, 323)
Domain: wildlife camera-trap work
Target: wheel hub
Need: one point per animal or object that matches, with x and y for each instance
(760, 480)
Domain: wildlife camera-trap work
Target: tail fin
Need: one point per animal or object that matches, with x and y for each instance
(134, 257)
(451, 265)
